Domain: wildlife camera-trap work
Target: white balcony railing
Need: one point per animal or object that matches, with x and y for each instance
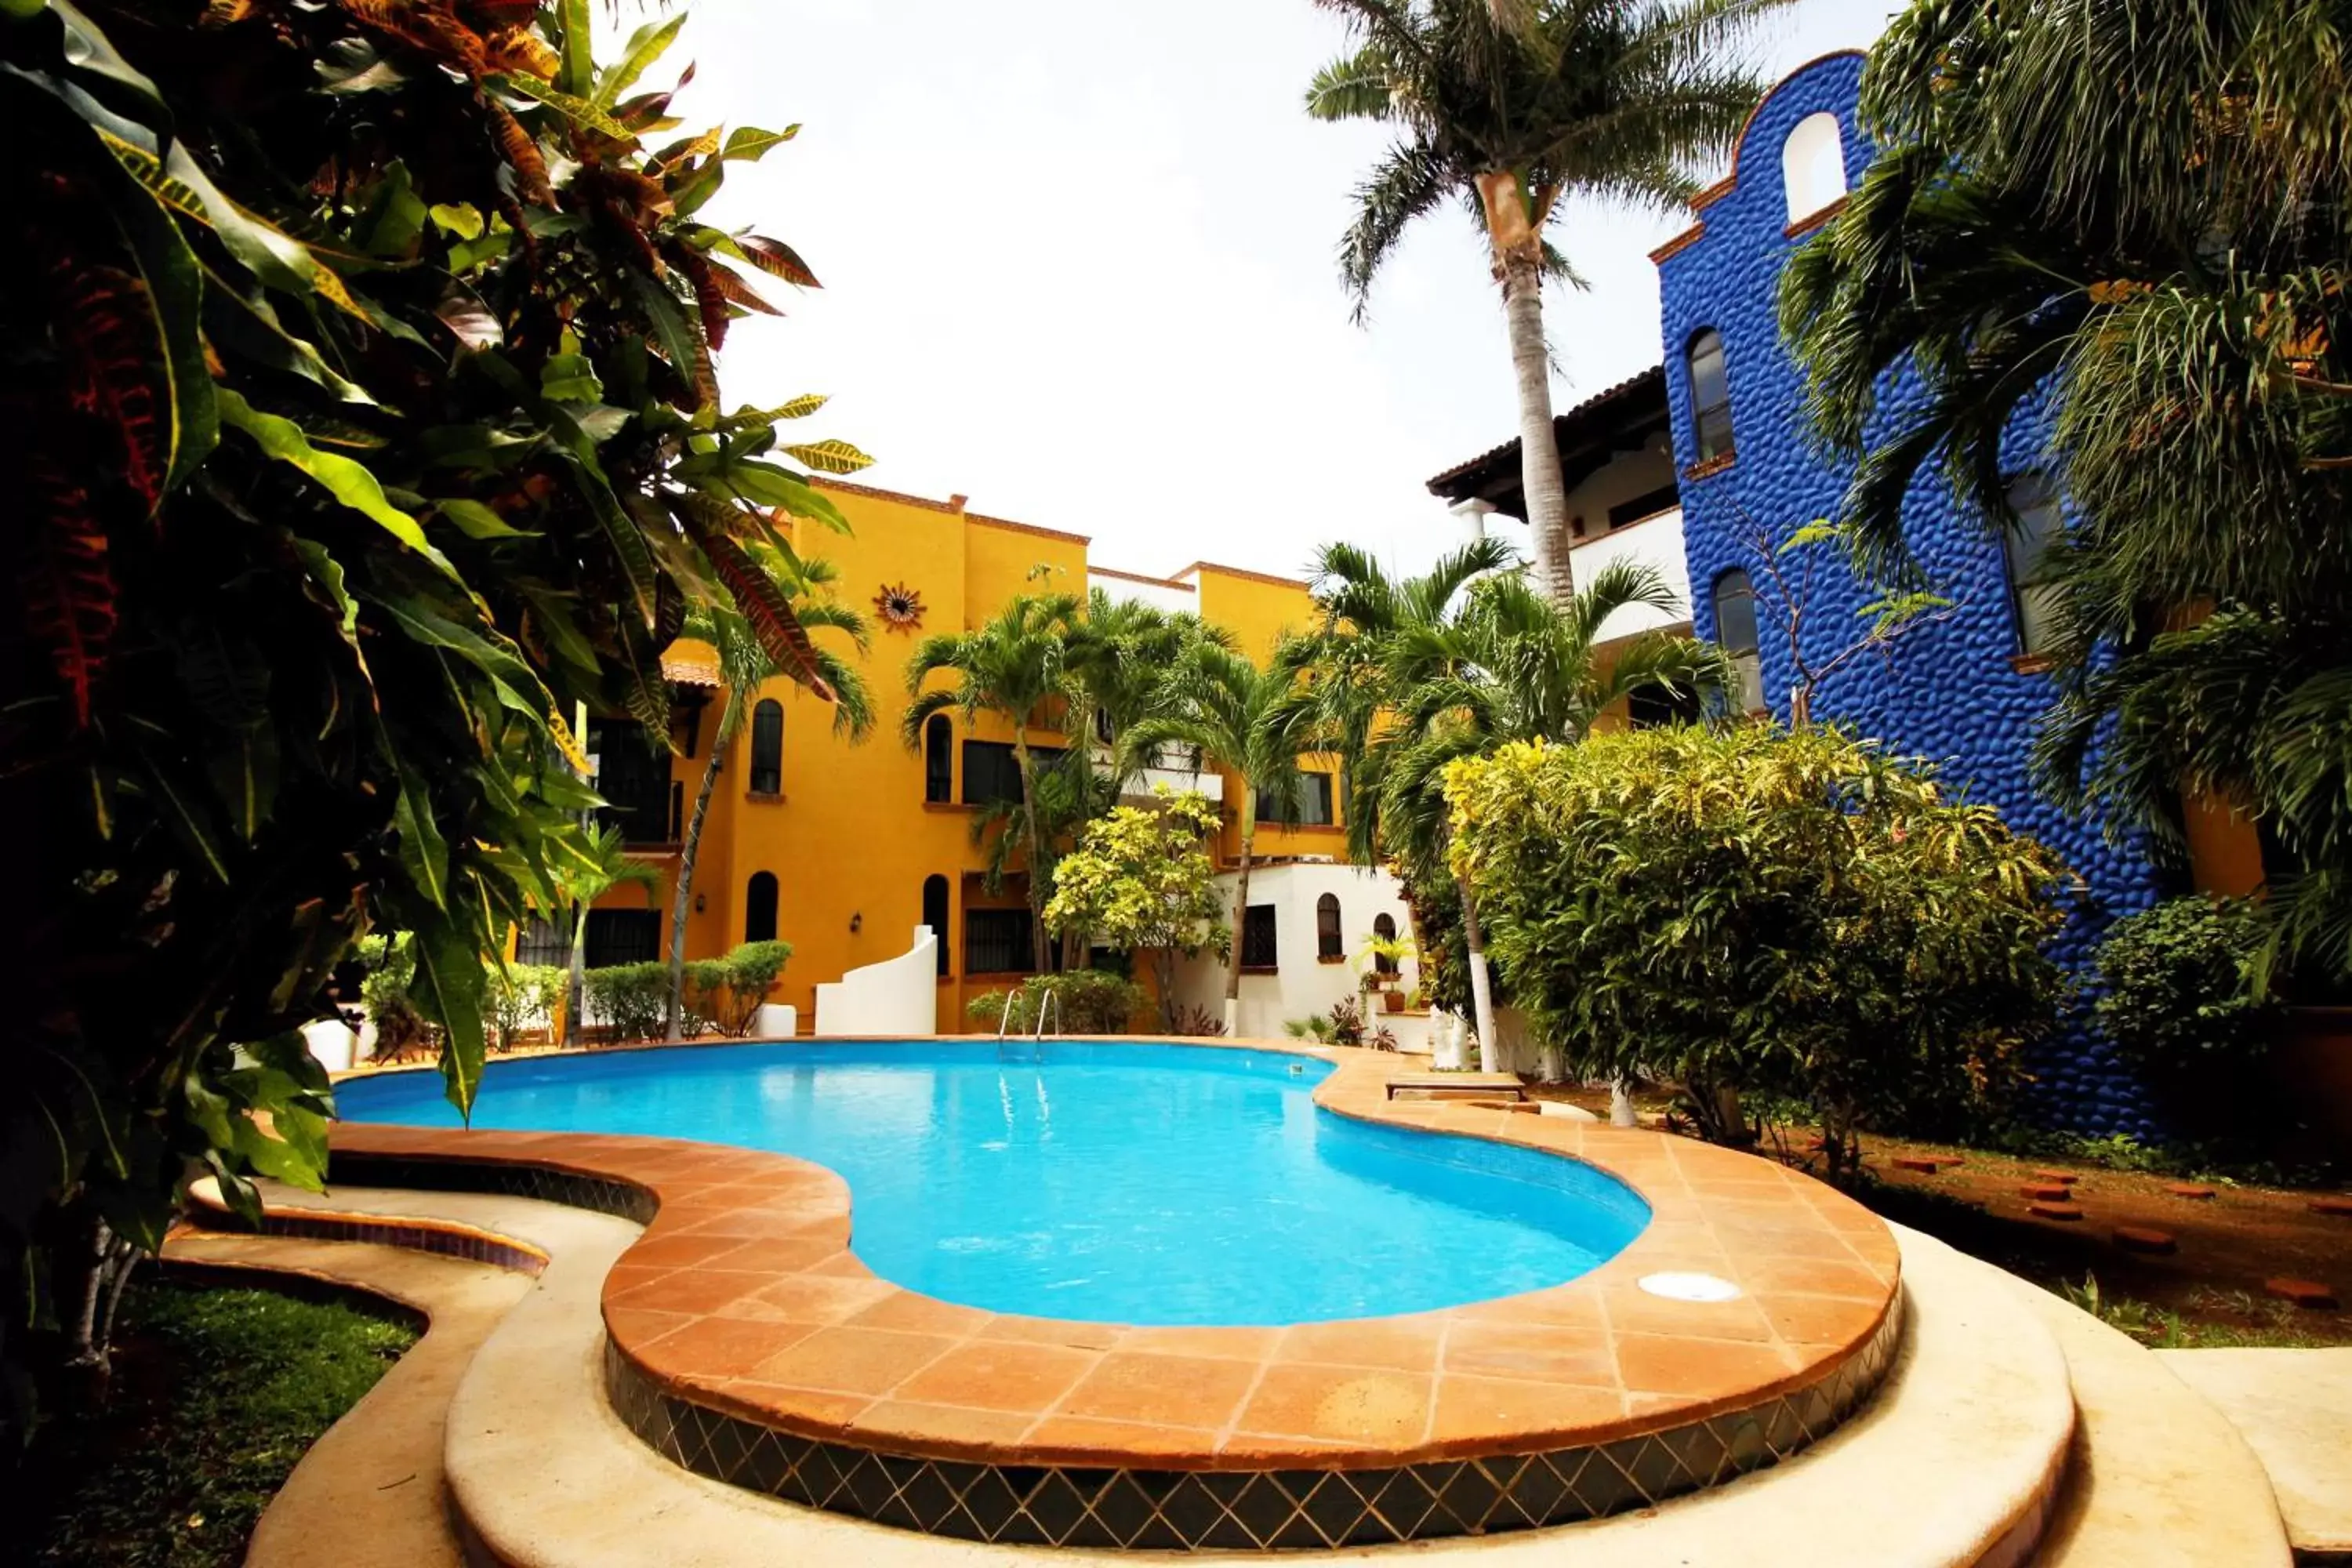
(1655, 541)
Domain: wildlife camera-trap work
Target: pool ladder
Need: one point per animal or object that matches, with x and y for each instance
(1045, 1010)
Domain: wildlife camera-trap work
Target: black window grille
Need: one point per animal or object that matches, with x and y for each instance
(542, 941)
(634, 778)
(992, 772)
(1258, 937)
(1327, 926)
(623, 936)
(996, 942)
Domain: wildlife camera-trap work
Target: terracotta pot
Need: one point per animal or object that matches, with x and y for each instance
(1391, 1000)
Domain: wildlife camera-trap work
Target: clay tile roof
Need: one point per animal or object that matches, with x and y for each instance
(1565, 428)
(689, 661)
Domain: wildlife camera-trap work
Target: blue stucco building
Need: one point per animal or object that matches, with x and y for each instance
(1965, 691)
(1718, 432)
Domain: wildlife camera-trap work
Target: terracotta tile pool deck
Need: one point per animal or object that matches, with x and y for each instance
(743, 1296)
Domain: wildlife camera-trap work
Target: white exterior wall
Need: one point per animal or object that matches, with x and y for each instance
(1655, 541)
(1168, 596)
(1303, 984)
(896, 997)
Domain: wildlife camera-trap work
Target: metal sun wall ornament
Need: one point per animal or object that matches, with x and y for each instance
(900, 607)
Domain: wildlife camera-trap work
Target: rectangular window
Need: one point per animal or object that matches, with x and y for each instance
(1663, 498)
(996, 942)
(623, 936)
(2032, 601)
(1311, 804)
(634, 779)
(542, 941)
(1258, 937)
(992, 772)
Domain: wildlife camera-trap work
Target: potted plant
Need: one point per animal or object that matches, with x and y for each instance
(1384, 958)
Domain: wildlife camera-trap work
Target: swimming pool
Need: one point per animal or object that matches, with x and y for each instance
(1109, 1182)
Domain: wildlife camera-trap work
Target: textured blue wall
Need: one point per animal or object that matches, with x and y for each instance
(1948, 691)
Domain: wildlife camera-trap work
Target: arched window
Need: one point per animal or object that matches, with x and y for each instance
(768, 748)
(760, 908)
(935, 915)
(1385, 928)
(1812, 165)
(1327, 926)
(2031, 601)
(1735, 633)
(1710, 394)
(938, 763)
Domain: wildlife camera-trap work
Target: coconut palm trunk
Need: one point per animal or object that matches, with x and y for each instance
(1241, 910)
(1482, 993)
(674, 1028)
(1041, 949)
(1519, 264)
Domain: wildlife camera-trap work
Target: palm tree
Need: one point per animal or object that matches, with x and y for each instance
(1252, 720)
(1512, 109)
(601, 865)
(744, 668)
(1119, 658)
(2143, 214)
(1460, 661)
(1017, 667)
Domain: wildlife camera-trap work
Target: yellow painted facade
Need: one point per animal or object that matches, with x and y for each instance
(849, 836)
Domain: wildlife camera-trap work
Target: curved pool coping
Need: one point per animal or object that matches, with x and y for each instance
(746, 1340)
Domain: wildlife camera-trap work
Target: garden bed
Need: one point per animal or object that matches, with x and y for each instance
(217, 1393)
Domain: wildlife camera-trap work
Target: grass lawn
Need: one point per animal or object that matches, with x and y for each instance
(216, 1392)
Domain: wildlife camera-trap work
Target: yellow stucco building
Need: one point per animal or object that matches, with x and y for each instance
(842, 849)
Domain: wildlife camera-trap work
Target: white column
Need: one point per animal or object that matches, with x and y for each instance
(1472, 514)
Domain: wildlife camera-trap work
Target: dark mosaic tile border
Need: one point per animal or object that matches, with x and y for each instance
(447, 1240)
(507, 1178)
(1246, 1511)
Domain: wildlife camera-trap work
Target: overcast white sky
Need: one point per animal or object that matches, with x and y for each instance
(1078, 259)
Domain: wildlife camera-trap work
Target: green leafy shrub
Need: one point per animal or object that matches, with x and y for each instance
(751, 968)
(1313, 1026)
(522, 996)
(1086, 1002)
(2176, 984)
(1742, 910)
(630, 999)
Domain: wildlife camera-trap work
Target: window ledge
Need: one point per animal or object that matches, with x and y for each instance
(986, 974)
(1707, 468)
(2033, 663)
(763, 798)
(1260, 969)
(1330, 958)
(1814, 219)
(947, 805)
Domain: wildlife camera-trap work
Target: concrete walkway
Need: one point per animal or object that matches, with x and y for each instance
(2295, 1409)
(499, 1417)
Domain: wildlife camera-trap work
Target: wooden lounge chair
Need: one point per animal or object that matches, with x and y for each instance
(1484, 1085)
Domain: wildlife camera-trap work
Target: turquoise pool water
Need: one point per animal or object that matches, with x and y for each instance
(1112, 1183)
